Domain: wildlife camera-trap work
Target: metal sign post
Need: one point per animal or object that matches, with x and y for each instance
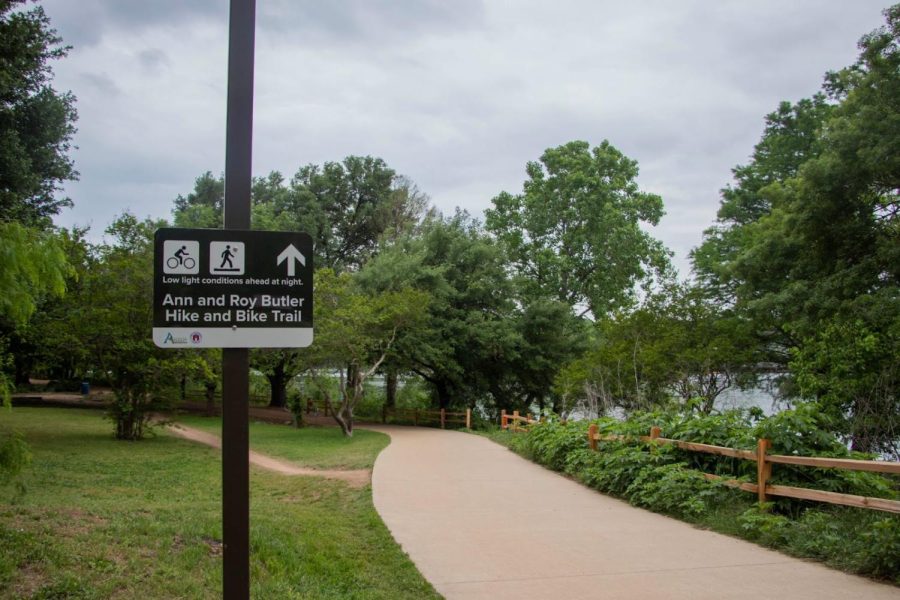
(236, 361)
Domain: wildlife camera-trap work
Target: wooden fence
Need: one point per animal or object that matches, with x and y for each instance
(511, 422)
(764, 462)
(417, 416)
(317, 408)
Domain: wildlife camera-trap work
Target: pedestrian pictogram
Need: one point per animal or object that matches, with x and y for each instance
(226, 257)
(181, 257)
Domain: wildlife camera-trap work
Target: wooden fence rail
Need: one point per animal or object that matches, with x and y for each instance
(764, 461)
(511, 422)
(321, 407)
(416, 415)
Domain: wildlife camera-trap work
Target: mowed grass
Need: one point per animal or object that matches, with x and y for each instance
(102, 519)
(316, 447)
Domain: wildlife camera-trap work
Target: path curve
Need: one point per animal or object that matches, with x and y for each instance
(356, 478)
(482, 523)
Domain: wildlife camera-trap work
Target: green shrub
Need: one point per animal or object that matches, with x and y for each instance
(672, 489)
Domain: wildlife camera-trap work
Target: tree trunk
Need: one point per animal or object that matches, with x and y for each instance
(278, 385)
(390, 387)
(443, 394)
(210, 398)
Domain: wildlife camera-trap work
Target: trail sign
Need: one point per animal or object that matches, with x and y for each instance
(227, 288)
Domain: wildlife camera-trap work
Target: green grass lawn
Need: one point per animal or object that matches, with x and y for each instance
(102, 518)
(316, 447)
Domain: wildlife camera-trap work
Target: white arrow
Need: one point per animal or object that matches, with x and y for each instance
(291, 254)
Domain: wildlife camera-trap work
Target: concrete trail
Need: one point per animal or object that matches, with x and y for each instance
(481, 522)
(356, 478)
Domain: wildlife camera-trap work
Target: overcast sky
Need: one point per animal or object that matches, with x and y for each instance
(457, 95)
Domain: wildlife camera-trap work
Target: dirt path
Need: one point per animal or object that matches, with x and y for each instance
(356, 478)
(481, 522)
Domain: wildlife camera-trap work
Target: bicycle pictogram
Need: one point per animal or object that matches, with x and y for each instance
(181, 259)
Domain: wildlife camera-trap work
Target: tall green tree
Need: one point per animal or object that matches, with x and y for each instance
(575, 234)
(355, 331)
(822, 257)
(468, 340)
(32, 266)
(36, 121)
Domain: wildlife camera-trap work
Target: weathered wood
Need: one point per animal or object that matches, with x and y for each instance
(592, 436)
(516, 421)
(655, 432)
(835, 498)
(468, 418)
(503, 421)
(877, 466)
(709, 449)
(744, 485)
(763, 469)
(443, 419)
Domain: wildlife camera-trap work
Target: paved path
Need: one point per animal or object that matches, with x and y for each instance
(480, 522)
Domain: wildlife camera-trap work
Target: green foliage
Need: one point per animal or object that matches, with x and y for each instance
(574, 234)
(761, 525)
(550, 443)
(36, 122)
(675, 490)
(808, 243)
(467, 337)
(679, 342)
(32, 265)
(865, 542)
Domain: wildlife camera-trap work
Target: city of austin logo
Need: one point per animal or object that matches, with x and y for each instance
(171, 339)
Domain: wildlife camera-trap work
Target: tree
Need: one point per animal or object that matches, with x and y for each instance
(32, 265)
(203, 207)
(114, 324)
(356, 330)
(36, 122)
(822, 258)
(574, 234)
(476, 344)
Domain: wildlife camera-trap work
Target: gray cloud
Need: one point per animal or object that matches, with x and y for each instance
(456, 95)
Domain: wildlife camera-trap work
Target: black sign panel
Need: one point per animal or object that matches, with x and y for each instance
(226, 288)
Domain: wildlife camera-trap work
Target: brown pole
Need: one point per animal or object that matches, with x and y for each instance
(592, 436)
(235, 361)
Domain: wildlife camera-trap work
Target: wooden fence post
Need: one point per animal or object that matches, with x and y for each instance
(515, 420)
(503, 422)
(468, 418)
(443, 417)
(592, 436)
(654, 432)
(763, 468)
